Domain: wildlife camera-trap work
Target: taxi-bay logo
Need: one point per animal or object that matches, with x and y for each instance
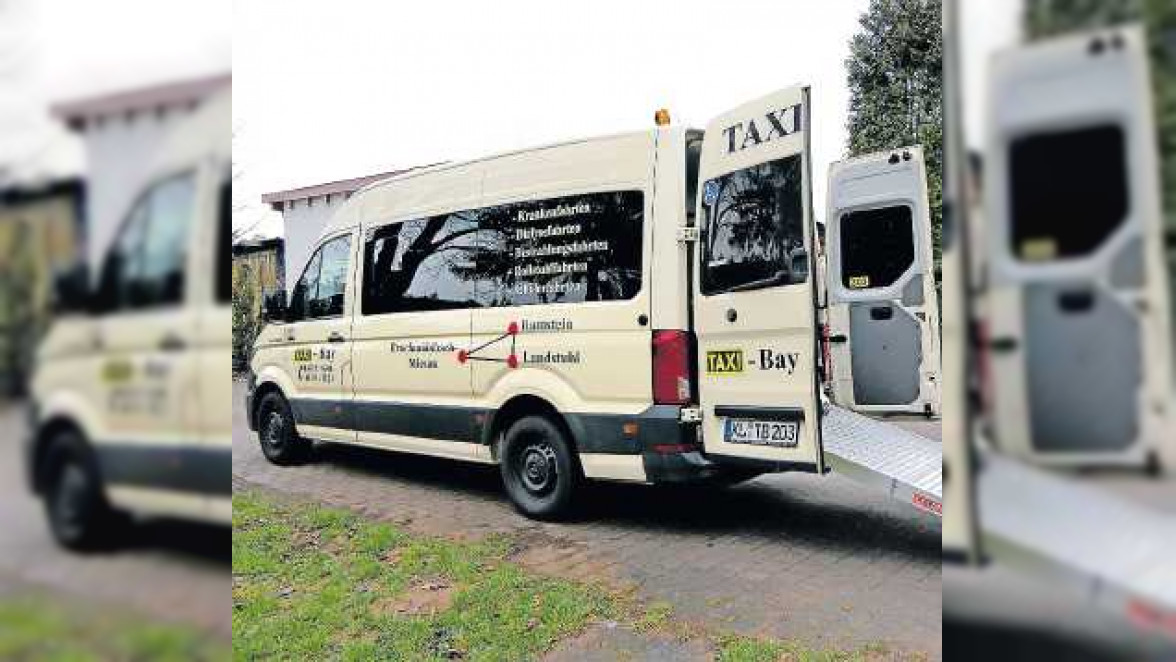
(724, 362)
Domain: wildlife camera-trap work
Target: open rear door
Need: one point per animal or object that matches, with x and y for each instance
(754, 303)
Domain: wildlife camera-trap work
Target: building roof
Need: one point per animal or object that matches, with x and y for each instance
(344, 186)
(193, 90)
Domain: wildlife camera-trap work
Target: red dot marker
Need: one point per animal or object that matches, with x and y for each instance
(462, 356)
(513, 329)
(512, 361)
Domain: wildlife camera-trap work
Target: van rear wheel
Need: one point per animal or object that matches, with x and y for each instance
(279, 440)
(538, 468)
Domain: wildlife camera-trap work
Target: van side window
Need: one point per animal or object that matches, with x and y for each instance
(754, 228)
(319, 292)
(146, 263)
(420, 265)
(877, 246)
(561, 250)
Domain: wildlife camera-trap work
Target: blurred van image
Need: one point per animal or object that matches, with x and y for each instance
(883, 311)
(1076, 337)
(130, 399)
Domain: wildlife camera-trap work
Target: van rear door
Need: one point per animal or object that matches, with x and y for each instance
(883, 309)
(754, 304)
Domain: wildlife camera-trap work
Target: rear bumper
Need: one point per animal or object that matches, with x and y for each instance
(687, 467)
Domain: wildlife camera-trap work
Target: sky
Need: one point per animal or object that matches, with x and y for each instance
(331, 90)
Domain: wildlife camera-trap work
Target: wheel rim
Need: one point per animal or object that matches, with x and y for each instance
(69, 503)
(273, 435)
(537, 469)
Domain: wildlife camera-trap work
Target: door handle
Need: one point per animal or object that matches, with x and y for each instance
(732, 315)
(290, 335)
(839, 338)
(172, 343)
(335, 336)
(1003, 345)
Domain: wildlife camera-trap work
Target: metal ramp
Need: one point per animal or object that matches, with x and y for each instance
(905, 465)
(1121, 555)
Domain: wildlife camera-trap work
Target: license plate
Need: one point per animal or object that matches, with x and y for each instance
(785, 434)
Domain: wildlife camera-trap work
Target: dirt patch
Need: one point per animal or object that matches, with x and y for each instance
(604, 642)
(425, 599)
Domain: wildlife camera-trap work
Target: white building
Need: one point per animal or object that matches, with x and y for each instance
(305, 212)
(121, 131)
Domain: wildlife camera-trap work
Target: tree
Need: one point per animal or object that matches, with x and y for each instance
(1048, 18)
(246, 322)
(895, 74)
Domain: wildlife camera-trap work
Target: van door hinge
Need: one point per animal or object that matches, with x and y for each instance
(688, 233)
(690, 415)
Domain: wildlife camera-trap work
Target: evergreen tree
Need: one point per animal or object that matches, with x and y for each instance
(1048, 18)
(895, 71)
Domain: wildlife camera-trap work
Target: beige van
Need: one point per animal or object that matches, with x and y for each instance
(130, 398)
(560, 312)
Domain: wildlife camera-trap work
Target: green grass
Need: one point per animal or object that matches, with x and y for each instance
(315, 583)
(36, 628)
(311, 582)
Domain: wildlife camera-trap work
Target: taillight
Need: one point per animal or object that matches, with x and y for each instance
(671, 367)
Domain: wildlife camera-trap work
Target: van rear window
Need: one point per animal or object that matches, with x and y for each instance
(1068, 192)
(569, 249)
(877, 246)
(754, 228)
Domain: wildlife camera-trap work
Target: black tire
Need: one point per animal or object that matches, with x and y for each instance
(276, 433)
(539, 469)
(79, 516)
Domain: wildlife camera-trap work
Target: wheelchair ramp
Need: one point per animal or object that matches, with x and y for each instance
(907, 466)
(1121, 555)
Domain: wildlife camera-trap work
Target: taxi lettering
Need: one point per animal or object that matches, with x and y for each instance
(774, 124)
(724, 362)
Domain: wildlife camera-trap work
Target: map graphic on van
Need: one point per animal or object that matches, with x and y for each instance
(511, 360)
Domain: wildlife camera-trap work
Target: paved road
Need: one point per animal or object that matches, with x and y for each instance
(816, 559)
(173, 571)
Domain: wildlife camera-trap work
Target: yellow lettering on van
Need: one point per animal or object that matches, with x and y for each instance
(303, 355)
(724, 362)
(116, 372)
(859, 282)
(1039, 250)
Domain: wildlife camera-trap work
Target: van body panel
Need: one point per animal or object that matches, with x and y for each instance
(754, 292)
(883, 314)
(1073, 307)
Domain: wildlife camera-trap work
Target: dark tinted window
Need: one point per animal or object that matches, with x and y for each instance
(754, 228)
(224, 250)
(420, 265)
(561, 250)
(877, 247)
(1068, 192)
(304, 289)
(146, 263)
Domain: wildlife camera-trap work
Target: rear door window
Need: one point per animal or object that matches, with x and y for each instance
(877, 246)
(754, 228)
(1068, 192)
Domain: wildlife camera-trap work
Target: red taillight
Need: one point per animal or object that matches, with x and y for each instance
(671, 368)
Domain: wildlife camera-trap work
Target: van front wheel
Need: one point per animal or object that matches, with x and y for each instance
(538, 469)
(280, 442)
(79, 516)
